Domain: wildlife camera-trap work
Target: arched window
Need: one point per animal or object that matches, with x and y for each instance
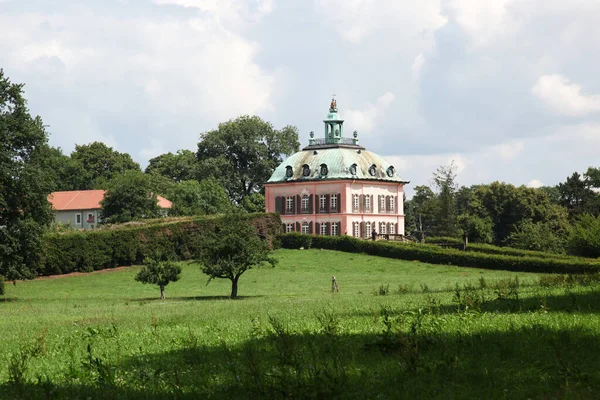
(382, 229)
(305, 170)
(356, 229)
(324, 170)
(353, 169)
(372, 170)
(368, 230)
(305, 228)
(392, 229)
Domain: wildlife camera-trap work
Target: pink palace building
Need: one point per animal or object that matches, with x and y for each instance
(334, 186)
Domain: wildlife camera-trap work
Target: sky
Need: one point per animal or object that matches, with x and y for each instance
(508, 90)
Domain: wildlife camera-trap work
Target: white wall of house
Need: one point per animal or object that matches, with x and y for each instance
(79, 219)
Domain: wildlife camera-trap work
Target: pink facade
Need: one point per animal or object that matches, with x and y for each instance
(336, 207)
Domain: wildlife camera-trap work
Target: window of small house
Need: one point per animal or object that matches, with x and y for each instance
(78, 219)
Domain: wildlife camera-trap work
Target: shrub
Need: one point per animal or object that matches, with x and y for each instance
(175, 239)
(436, 255)
(295, 241)
(584, 239)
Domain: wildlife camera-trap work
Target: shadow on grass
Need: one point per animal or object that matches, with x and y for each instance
(9, 299)
(196, 298)
(401, 362)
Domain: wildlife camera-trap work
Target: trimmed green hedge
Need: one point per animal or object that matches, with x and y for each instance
(86, 251)
(508, 251)
(436, 255)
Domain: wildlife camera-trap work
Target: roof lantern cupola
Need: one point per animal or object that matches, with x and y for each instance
(334, 125)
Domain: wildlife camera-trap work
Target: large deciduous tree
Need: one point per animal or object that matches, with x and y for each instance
(129, 196)
(24, 183)
(199, 198)
(444, 181)
(577, 196)
(243, 153)
(233, 249)
(179, 167)
(101, 163)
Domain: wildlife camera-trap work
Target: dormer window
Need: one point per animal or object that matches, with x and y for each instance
(324, 170)
(353, 169)
(305, 170)
(372, 170)
(390, 171)
(289, 171)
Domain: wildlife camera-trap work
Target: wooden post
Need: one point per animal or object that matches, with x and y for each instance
(334, 285)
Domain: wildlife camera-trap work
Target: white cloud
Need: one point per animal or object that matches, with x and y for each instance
(366, 120)
(417, 65)
(565, 97)
(481, 19)
(535, 183)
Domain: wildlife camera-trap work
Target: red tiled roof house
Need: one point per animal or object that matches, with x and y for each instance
(81, 208)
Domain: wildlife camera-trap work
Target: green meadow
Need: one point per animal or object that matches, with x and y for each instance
(396, 329)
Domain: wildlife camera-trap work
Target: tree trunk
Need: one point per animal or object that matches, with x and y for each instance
(162, 292)
(234, 287)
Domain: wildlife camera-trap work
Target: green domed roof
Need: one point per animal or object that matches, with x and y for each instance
(334, 157)
(340, 163)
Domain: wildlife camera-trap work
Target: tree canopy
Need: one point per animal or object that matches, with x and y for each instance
(101, 164)
(159, 273)
(179, 167)
(198, 198)
(129, 196)
(24, 183)
(243, 153)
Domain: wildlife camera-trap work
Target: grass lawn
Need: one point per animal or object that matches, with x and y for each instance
(396, 329)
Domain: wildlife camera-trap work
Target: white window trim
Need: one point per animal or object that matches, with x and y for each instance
(305, 202)
(382, 228)
(355, 202)
(289, 227)
(368, 230)
(392, 229)
(382, 203)
(391, 204)
(367, 202)
(78, 219)
(305, 225)
(289, 204)
(335, 228)
(334, 201)
(323, 202)
(323, 229)
(356, 229)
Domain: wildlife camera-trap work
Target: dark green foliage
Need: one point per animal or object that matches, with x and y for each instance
(296, 241)
(101, 164)
(243, 153)
(200, 198)
(1, 285)
(160, 273)
(254, 203)
(444, 180)
(130, 196)
(584, 239)
(107, 248)
(541, 236)
(437, 255)
(24, 183)
(233, 248)
(478, 230)
(176, 167)
(577, 196)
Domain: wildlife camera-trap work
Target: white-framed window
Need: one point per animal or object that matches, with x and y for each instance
(355, 202)
(334, 201)
(289, 227)
(305, 228)
(392, 229)
(335, 228)
(323, 202)
(391, 204)
(382, 229)
(382, 204)
(356, 229)
(289, 204)
(368, 230)
(323, 229)
(305, 204)
(78, 219)
(367, 203)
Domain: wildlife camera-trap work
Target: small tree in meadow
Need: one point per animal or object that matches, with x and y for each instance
(233, 249)
(158, 273)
